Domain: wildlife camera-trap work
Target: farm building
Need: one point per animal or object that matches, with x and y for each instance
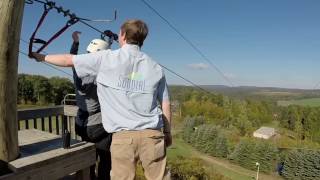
(264, 132)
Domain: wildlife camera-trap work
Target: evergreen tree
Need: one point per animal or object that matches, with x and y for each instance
(248, 152)
(302, 164)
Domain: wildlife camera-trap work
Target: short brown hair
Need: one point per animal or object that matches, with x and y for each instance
(135, 31)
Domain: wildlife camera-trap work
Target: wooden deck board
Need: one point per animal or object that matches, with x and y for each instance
(42, 157)
(33, 142)
(32, 136)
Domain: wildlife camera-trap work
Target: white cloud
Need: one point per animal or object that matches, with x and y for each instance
(230, 75)
(198, 66)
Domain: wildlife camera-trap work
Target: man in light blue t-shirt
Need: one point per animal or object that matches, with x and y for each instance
(134, 101)
(88, 123)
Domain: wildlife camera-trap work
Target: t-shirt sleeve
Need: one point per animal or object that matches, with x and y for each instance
(88, 64)
(163, 94)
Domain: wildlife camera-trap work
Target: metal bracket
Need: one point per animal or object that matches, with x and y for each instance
(102, 20)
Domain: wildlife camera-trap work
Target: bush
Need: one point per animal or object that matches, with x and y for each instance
(186, 169)
(248, 152)
(183, 168)
(206, 138)
(302, 164)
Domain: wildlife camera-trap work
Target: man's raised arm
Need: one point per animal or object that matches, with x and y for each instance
(63, 60)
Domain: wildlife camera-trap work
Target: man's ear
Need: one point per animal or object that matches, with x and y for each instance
(124, 37)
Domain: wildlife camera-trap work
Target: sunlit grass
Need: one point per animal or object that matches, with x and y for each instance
(312, 102)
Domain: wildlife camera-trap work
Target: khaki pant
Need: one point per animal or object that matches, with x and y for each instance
(130, 146)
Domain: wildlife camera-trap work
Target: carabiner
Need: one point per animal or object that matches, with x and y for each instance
(109, 34)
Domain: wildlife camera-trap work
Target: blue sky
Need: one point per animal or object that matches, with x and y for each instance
(256, 43)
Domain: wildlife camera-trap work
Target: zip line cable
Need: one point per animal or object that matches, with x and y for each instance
(193, 46)
(83, 19)
(60, 9)
(192, 83)
(73, 19)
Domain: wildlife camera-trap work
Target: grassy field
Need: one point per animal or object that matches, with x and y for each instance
(221, 166)
(180, 148)
(277, 94)
(312, 102)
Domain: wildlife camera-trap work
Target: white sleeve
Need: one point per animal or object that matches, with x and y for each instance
(88, 64)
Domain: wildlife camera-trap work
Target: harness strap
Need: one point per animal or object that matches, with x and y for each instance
(47, 8)
(56, 35)
(39, 41)
(44, 14)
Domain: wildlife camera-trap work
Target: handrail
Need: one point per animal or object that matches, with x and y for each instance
(63, 102)
(50, 119)
(32, 113)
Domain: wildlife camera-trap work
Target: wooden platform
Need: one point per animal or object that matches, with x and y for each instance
(42, 157)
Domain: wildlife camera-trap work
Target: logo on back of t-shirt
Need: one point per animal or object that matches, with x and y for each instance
(133, 81)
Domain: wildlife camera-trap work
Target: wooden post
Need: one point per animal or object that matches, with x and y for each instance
(11, 12)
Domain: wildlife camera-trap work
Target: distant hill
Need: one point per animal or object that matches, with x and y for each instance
(263, 93)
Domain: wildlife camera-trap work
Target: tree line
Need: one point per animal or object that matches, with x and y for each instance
(304, 121)
(243, 116)
(214, 141)
(223, 127)
(37, 89)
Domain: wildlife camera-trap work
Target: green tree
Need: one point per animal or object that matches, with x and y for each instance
(312, 124)
(293, 117)
(25, 89)
(42, 89)
(60, 88)
(241, 121)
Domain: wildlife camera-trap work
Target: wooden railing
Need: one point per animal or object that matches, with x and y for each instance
(50, 119)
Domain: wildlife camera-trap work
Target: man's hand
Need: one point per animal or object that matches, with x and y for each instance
(38, 57)
(167, 139)
(75, 36)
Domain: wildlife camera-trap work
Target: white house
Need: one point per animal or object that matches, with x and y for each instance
(264, 132)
